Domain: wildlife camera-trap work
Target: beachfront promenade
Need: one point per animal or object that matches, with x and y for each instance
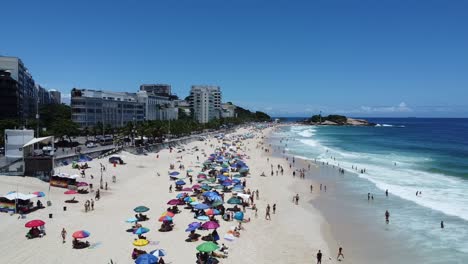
(293, 235)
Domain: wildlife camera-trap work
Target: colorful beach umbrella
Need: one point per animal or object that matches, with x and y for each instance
(187, 189)
(39, 194)
(158, 253)
(82, 184)
(189, 199)
(217, 203)
(210, 225)
(81, 234)
(140, 242)
(146, 259)
(34, 223)
(141, 230)
(174, 173)
(207, 247)
(71, 192)
(141, 209)
(212, 212)
(239, 216)
(194, 224)
(165, 218)
(167, 213)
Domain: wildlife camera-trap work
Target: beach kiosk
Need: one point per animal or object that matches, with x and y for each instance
(17, 202)
(63, 180)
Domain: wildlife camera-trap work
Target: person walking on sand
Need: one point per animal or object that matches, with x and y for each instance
(92, 204)
(387, 217)
(274, 208)
(386, 192)
(64, 235)
(297, 199)
(340, 254)
(170, 188)
(319, 257)
(267, 215)
(311, 188)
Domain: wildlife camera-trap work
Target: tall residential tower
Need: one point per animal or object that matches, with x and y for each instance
(205, 101)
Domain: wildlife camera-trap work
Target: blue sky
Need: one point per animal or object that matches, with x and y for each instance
(288, 58)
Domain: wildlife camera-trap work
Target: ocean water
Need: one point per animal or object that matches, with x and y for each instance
(403, 156)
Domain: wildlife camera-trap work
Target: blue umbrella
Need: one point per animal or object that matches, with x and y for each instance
(226, 183)
(222, 177)
(201, 206)
(224, 170)
(146, 259)
(131, 220)
(239, 216)
(180, 195)
(174, 173)
(158, 253)
(236, 181)
(180, 182)
(203, 218)
(195, 224)
(190, 229)
(194, 203)
(208, 194)
(141, 230)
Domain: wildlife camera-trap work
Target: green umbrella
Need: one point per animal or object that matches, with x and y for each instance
(141, 209)
(211, 179)
(217, 203)
(234, 200)
(225, 165)
(237, 176)
(207, 247)
(218, 187)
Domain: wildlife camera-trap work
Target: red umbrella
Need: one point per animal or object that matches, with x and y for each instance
(81, 184)
(70, 192)
(187, 189)
(34, 223)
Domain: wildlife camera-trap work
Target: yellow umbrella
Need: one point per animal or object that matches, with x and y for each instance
(140, 242)
(226, 174)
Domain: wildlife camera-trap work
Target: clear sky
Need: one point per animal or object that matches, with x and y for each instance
(288, 58)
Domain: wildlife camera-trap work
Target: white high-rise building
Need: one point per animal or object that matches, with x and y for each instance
(205, 102)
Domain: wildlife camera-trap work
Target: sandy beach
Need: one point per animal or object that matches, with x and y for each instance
(293, 235)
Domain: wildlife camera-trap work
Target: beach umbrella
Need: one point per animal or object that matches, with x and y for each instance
(236, 181)
(239, 216)
(212, 212)
(226, 183)
(196, 186)
(237, 176)
(141, 209)
(141, 230)
(165, 218)
(167, 213)
(131, 220)
(244, 170)
(207, 247)
(189, 199)
(180, 182)
(206, 187)
(190, 229)
(217, 203)
(81, 234)
(203, 218)
(187, 189)
(222, 177)
(82, 184)
(201, 206)
(34, 223)
(159, 252)
(146, 259)
(71, 192)
(140, 242)
(234, 200)
(174, 173)
(189, 170)
(180, 195)
(218, 187)
(210, 225)
(194, 224)
(194, 203)
(39, 194)
(175, 202)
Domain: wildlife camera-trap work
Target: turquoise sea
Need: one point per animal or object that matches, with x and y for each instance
(404, 156)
